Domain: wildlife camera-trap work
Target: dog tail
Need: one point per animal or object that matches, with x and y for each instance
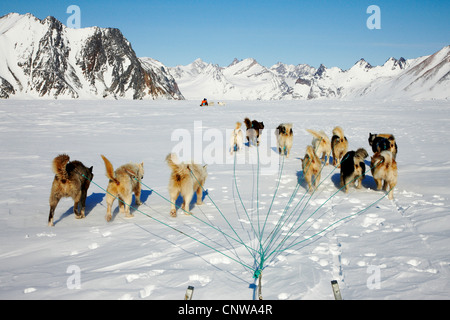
(359, 157)
(387, 157)
(318, 135)
(384, 158)
(248, 123)
(310, 153)
(180, 170)
(59, 166)
(175, 164)
(338, 131)
(238, 125)
(361, 154)
(110, 170)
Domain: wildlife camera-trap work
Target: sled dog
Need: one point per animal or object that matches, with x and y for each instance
(254, 129)
(339, 145)
(123, 182)
(72, 179)
(321, 144)
(311, 166)
(237, 138)
(285, 137)
(384, 170)
(185, 179)
(353, 168)
(383, 141)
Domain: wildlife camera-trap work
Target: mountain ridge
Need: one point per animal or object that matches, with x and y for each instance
(421, 78)
(45, 59)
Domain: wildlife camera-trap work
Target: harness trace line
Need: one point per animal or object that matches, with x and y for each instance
(167, 225)
(265, 250)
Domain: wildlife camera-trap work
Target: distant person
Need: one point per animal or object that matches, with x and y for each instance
(204, 103)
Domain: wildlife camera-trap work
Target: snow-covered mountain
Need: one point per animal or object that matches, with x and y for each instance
(424, 78)
(44, 58)
(421, 78)
(241, 80)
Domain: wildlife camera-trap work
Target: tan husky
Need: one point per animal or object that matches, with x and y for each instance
(339, 145)
(321, 144)
(311, 167)
(122, 183)
(184, 180)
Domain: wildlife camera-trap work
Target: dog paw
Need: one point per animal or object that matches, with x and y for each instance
(108, 218)
(173, 213)
(129, 215)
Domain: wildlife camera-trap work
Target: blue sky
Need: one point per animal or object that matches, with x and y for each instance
(291, 31)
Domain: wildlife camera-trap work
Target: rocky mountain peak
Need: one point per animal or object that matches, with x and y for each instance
(50, 60)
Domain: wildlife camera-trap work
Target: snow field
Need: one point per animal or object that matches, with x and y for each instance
(393, 250)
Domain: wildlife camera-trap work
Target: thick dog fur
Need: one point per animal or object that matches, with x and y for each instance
(339, 145)
(72, 179)
(254, 129)
(383, 141)
(384, 171)
(236, 138)
(353, 168)
(311, 166)
(122, 184)
(285, 137)
(185, 179)
(321, 144)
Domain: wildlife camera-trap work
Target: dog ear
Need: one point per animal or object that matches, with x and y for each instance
(91, 168)
(131, 173)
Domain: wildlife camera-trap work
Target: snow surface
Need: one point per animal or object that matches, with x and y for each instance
(392, 250)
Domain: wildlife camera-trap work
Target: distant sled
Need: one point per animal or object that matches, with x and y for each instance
(212, 103)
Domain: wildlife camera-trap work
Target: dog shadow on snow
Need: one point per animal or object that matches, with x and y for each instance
(91, 202)
(301, 180)
(96, 199)
(179, 201)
